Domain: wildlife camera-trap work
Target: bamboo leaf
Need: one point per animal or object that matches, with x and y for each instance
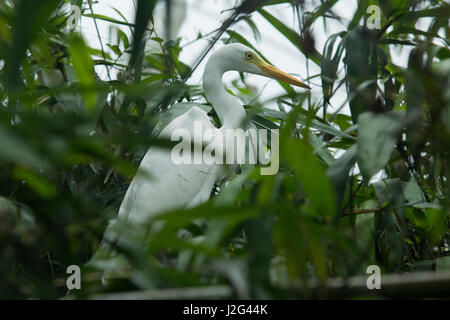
(29, 16)
(361, 65)
(312, 176)
(84, 68)
(377, 134)
(290, 34)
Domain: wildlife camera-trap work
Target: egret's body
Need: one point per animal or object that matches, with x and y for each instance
(161, 185)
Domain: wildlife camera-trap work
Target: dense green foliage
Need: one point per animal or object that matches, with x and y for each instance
(70, 144)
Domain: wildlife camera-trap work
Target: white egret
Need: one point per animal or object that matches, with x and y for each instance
(161, 185)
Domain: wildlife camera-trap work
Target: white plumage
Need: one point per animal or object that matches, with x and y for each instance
(161, 185)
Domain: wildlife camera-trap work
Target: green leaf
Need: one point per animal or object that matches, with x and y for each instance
(365, 230)
(338, 172)
(320, 149)
(442, 12)
(311, 175)
(107, 19)
(415, 86)
(361, 65)
(418, 218)
(390, 240)
(254, 28)
(37, 182)
(50, 78)
(329, 66)
(343, 121)
(84, 68)
(437, 224)
(302, 119)
(413, 192)
(17, 150)
(443, 264)
(260, 243)
(360, 12)
(121, 36)
(115, 49)
(377, 135)
(22, 216)
(290, 34)
(29, 17)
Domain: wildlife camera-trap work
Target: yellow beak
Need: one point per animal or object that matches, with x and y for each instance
(277, 74)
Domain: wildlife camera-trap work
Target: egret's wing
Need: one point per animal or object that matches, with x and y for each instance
(160, 184)
(175, 111)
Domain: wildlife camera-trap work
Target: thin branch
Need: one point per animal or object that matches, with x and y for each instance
(246, 8)
(418, 285)
(361, 211)
(209, 292)
(99, 39)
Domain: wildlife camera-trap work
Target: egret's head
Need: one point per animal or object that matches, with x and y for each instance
(243, 59)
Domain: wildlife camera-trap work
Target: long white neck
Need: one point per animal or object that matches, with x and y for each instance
(228, 108)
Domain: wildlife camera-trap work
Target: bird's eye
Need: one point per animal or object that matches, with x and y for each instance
(249, 55)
